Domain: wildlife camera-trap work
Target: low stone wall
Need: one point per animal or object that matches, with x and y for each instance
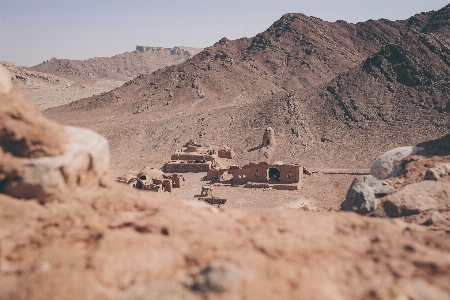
(187, 167)
(256, 185)
(214, 200)
(188, 156)
(275, 186)
(288, 187)
(225, 153)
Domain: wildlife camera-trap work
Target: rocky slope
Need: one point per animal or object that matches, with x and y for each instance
(120, 67)
(326, 89)
(60, 81)
(23, 77)
(93, 239)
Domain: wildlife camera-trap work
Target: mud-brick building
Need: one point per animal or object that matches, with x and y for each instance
(196, 158)
(277, 175)
(152, 179)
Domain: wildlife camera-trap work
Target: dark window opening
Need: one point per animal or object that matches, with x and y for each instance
(273, 174)
(138, 185)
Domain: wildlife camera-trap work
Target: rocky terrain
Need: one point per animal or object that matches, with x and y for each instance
(120, 67)
(336, 94)
(69, 232)
(372, 95)
(60, 81)
(24, 78)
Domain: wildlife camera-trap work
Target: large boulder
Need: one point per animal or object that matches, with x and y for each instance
(38, 157)
(388, 164)
(84, 163)
(438, 171)
(5, 81)
(361, 194)
(24, 131)
(416, 198)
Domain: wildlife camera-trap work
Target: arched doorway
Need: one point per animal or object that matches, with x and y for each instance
(138, 185)
(273, 174)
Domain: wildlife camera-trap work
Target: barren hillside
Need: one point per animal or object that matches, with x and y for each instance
(120, 67)
(60, 81)
(23, 77)
(336, 94)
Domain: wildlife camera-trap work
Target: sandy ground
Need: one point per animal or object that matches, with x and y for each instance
(318, 192)
(47, 97)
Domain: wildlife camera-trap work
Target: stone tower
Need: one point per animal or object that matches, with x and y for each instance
(269, 138)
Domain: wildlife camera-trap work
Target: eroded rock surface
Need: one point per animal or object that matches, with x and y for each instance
(438, 171)
(416, 198)
(420, 192)
(85, 162)
(388, 164)
(361, 194)
(40, 158)
(24, 131)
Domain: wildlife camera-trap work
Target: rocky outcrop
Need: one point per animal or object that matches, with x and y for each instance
(121, 67)
(84, 163)
(388, 164)
(5, 81)
(420, 183)
(361, 194)
(416, 198)
(24, 131)
(39, 158)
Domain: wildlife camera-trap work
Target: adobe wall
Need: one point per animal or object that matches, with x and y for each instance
(225, 153)
(288, 174)
(216, 174)
(187, 167)
(259, 173)
(191, 156)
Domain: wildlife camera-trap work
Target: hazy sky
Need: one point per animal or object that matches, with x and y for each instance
(35, 30)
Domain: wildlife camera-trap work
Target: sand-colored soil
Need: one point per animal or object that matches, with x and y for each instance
(317, 192)
(47, 97)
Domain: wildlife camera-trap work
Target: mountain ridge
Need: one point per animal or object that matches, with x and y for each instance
(124, 66)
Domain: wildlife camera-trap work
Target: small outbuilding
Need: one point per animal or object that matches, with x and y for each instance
(269, 138)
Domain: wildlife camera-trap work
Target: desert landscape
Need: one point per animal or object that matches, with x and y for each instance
(311, 161)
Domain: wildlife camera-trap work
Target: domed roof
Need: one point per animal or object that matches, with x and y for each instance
(150, 173)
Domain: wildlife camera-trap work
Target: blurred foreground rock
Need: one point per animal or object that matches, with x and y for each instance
(41, 159)
(85, 162)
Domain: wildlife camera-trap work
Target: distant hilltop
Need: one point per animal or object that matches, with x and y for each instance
(173, 51)
(120, 67)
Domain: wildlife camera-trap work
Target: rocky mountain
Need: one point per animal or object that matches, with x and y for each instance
(336, 94)
(118, 67)
(61, 81)
(23, 77)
